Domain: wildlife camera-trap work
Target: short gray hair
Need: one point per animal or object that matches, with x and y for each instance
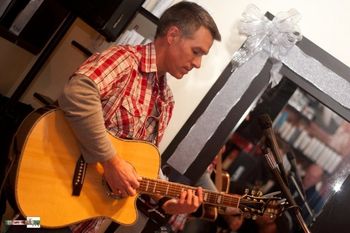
(188, 17)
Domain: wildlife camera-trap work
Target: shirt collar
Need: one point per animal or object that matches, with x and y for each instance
(148, 62)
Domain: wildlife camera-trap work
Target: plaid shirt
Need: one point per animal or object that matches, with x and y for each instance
(137, 104)
(177, 222)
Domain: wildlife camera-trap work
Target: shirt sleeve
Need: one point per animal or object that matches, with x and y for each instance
(81, 104)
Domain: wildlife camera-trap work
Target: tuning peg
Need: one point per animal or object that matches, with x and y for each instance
(253, 192)
(259, 193)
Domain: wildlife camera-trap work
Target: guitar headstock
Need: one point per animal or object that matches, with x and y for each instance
(256, 203)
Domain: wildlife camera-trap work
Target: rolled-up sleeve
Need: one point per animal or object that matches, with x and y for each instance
(81, 104)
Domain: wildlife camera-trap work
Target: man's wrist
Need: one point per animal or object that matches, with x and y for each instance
(114, 161)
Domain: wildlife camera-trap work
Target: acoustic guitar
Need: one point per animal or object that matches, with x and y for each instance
(47, 158)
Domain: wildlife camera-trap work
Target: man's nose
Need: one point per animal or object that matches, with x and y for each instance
(197, 62)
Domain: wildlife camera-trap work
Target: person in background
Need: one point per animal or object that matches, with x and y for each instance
(313, 176)
(124, 91)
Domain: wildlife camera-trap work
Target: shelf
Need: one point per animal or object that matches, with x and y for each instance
(6, 34)
(82, 48)
(39, 28)
(149, 15)
(292, 108)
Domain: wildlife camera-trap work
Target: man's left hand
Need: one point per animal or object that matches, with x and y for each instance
(188, 202)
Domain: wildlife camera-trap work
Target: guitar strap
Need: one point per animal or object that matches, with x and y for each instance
(79, 176)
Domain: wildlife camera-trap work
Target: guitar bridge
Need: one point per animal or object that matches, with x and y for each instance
(79, 175)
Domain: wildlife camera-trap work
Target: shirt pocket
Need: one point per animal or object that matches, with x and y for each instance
(129, 117)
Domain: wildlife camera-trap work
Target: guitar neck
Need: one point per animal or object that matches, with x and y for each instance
(173, 190)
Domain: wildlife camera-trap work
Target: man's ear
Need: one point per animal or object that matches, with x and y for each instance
(173, 34)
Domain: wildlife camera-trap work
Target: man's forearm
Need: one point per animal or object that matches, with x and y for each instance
(81, 104)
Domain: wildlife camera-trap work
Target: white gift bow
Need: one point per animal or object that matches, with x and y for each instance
(274, 37)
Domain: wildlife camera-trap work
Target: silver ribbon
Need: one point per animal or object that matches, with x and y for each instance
(318, 75)
(274, 37)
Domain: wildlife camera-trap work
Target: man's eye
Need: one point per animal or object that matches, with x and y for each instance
(197, 53)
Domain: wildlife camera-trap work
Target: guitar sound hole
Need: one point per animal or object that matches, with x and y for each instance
(109, 191)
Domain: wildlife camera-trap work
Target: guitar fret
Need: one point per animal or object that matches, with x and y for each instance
(167, 189)
(163, 188)
(218, 199)
(205, 197)
(155, 186)
(147, 185)
(176, 190)
(212, 198)
(151, 183)
(225, 200)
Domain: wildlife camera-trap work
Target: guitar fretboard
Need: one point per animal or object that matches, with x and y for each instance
(173, 190)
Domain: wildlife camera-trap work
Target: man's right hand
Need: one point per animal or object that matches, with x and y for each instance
(121, 176)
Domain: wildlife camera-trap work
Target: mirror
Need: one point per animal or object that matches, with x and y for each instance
(306, 129)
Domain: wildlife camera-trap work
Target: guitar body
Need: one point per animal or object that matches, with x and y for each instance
(43, 185)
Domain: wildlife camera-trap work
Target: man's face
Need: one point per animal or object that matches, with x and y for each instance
(185, 52)
(312, 176)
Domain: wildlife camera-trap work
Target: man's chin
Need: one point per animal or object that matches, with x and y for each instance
(178, 76)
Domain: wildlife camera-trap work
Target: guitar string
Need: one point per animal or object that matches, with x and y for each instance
(227, 199)
(164, 186)
(160, 185)
(211, 197)
(173, 189)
